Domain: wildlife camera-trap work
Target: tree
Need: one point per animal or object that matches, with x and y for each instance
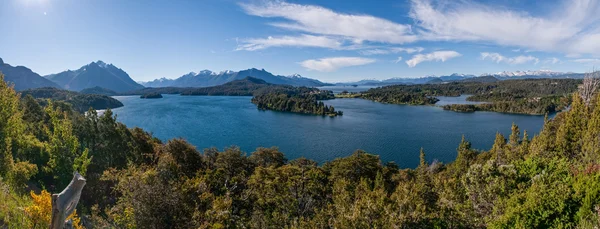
(12, 137)
(498, 149)
(63, 148)
(266, 157)
(569, 135)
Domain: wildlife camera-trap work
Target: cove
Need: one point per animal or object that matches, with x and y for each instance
(395, 132)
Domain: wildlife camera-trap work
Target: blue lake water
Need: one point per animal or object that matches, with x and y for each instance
(395, 132)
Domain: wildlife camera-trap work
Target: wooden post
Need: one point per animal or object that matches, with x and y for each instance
(64, 203)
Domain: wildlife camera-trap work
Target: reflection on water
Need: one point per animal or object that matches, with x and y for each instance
(448, 100)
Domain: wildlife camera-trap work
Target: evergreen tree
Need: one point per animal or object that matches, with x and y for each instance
(514, 135)
(569, 136)
(498, 149)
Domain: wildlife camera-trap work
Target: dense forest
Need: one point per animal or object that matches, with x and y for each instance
(99, 91)
(136, 181)
(297, 103)
(81, 102)
(151, 96)
(528, 96)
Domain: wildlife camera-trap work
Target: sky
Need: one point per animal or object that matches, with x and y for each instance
(333, 40)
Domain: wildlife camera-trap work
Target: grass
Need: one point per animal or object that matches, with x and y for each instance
(12, 208)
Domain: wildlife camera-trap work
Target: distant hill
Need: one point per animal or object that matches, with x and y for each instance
(409, 81)
(95, 74)
(244, 87)
(207, 78)
(98, 91)
(481, 79)
(80, 102)
(505, 75)
(435, 81)
(23, 78)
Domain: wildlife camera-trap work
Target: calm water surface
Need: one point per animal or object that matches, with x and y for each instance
(395, 132)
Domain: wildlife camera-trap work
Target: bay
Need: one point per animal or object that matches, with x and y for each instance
(395, 132)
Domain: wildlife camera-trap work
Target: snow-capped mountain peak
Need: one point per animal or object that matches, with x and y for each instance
(205, 72)
(295, 76)
(524, 73)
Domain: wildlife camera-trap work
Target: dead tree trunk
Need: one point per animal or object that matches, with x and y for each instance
(591, 81)
(64, 203)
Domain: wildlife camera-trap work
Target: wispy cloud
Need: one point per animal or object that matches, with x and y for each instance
(434, 56)
(552, 60)
(498, 58)
(323, 21)
(383, 51)
(569, 29)
(592, 62)
(334, 63)
(298, 41)
(398, 60)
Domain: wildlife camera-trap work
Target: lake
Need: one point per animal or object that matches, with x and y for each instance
(395, 132)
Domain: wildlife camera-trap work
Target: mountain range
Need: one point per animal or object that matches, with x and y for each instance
(95, 74)
(207, 78)
(108, 79)
(486, 77)
(23, 78)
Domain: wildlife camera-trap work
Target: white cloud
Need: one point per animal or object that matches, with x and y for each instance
(383, 51)
(496, 57)
(299, 41)
(567, 29)
(552, 60)
(334, 63)
(319, 20)
(592, 62)
(398, 60)
(434, 56)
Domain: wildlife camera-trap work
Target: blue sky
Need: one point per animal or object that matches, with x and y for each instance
(334, 40)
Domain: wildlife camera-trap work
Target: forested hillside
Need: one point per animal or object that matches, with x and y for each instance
(551, 180)
(528, 96)
(79, 101)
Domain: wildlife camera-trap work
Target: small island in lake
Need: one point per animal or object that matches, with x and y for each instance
(151, 96)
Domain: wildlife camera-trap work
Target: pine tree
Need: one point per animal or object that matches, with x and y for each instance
(422, 161)
(464, 157)
(591, 138)
(569, 135)
(514, 135)
(524, 149)
(498, 148)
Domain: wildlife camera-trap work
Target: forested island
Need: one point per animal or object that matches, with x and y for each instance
(80, 102)
(134, 180)
(297, 103)
(151, 96)
(526, 96)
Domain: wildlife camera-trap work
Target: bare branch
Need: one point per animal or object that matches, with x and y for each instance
(591, 81)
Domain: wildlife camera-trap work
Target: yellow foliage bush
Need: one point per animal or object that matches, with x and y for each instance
(40, 212)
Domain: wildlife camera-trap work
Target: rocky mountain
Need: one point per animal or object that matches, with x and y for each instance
(23, 78)
(207, 78)
(95, 74)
